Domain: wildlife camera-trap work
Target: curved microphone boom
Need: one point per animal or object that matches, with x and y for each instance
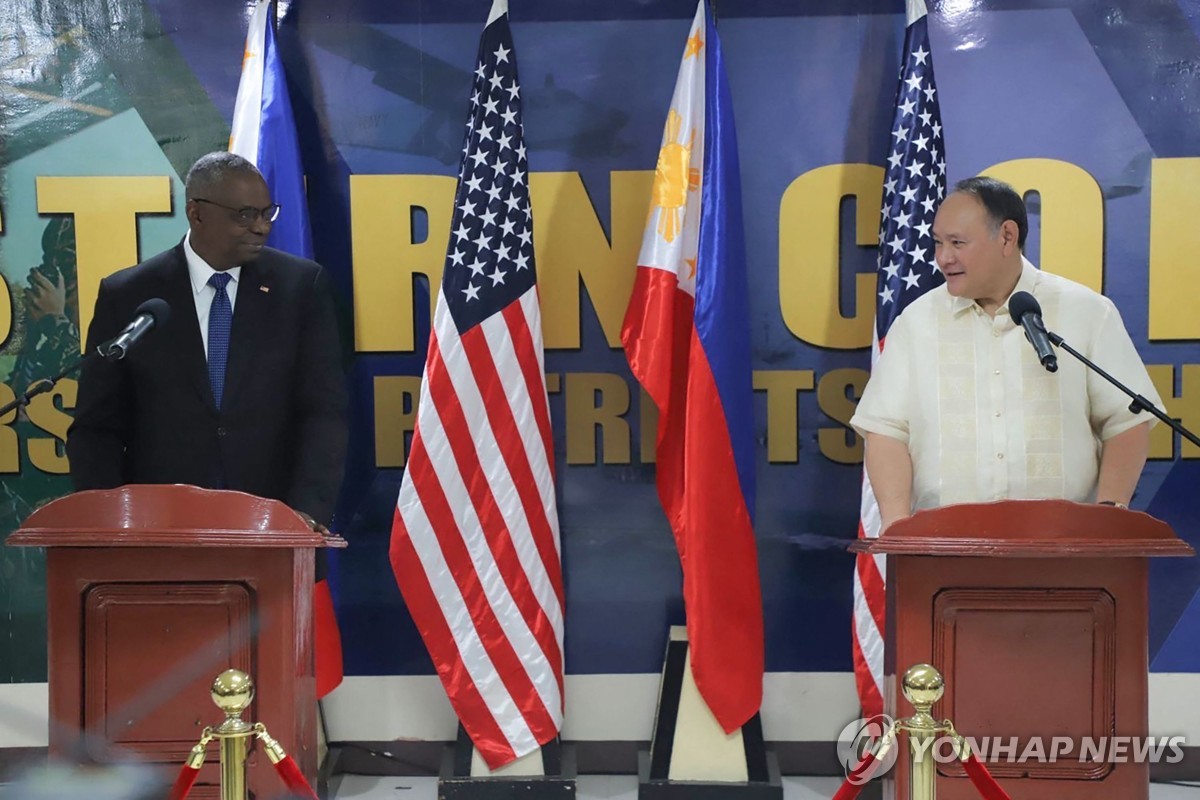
(1025, 311)
(150, 314)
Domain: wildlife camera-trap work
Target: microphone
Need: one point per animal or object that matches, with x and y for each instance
(1025, 310)
(150, 314)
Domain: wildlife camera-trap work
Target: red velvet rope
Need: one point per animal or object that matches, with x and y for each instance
(183, 784)
(293, 779)
(984, 783)
(856, 780)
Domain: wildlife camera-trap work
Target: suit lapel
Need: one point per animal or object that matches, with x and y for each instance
(184, 327)
(251, 316)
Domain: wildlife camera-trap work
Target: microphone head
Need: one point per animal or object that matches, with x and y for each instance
(156, 308)
(1023, 303)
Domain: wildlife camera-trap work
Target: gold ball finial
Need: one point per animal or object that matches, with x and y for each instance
(923, 685)
(232, 691)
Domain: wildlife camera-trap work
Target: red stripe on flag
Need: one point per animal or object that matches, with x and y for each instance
(469, 705)
(657, 350)
(699, 488)
(509, 667)
(531, 370)
(512, 450)
(869, 696)
(873, 587)
(502, 422)
(327, 640)
(533, 377)
(499, 540)
(871, 608)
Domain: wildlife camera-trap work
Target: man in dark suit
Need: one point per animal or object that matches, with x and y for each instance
(242, 388)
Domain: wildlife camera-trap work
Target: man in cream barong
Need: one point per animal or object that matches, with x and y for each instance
(958, 408)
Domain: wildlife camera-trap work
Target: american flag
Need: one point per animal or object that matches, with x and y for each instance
(475, 541)
(914, 185)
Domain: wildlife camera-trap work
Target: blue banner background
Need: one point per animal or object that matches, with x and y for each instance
(381, 88)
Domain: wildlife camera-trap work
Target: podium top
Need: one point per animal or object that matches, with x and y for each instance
(1028, 529)
(144, 515)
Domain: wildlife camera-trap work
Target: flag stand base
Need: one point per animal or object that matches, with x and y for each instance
(548, 773)
(690, 756)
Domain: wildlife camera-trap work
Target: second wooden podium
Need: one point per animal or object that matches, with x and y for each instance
(152, 591)
(1036, 614)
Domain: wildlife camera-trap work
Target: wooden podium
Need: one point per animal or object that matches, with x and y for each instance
(154, 590)
(1036, 614)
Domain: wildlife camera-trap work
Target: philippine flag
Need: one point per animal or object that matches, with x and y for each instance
(687, 337)
(264, 132)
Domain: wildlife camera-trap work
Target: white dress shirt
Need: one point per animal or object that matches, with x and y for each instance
(983, 420)
(199, 272)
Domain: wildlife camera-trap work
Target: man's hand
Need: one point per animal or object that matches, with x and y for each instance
(312, 523)
(43, 298)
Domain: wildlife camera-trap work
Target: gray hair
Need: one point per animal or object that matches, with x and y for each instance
(212, 169)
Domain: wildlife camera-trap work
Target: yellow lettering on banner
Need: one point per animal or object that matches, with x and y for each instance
(597, 400)
(842, 443)
(783, 388)
(1174, 242)
(572, 251)
(49, 454)
(598, 427)
(106, 236)
(10, 448)
(1184, 406)
(810, 260)
(1071, 213)
(387, 258)
(6, 307)
(395, 417)
(648, 422)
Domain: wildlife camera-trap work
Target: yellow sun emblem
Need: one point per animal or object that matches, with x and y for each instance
(674, 177)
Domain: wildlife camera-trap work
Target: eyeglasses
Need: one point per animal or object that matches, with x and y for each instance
(247, 216)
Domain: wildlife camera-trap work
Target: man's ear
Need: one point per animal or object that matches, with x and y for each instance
(1009, 233)
(191, 210)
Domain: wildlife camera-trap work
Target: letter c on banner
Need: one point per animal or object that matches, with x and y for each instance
(810, 217)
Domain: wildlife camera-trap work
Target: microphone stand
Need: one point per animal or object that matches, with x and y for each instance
(43, 385)
(1139, 403)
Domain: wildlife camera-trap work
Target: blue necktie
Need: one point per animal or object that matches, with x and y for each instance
(220, 320)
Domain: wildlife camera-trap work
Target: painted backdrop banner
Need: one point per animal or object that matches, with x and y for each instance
(1094, 112)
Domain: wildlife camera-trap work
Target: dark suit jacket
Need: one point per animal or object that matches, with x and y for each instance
(150, 418)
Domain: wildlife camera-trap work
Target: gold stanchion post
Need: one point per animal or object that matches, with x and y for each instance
(923, 686)
(232, 691)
